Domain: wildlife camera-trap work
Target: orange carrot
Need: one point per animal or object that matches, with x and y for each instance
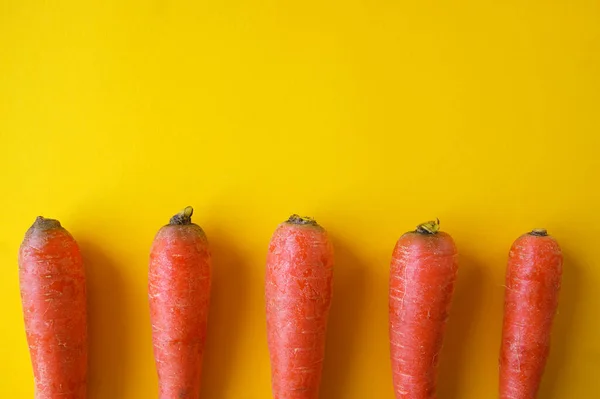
(533, 280)
(298, 294)
(422, 276)
(53, 294)
(179, 281)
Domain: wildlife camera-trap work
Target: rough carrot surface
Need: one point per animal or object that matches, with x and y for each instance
(53, 294)
(423, 272)
(298, 295)
(533, 279)
(179, 283)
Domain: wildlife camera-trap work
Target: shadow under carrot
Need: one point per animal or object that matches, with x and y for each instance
(108, 325)
(347, 311)
(563, 331)
(464, 310)
(228, 315)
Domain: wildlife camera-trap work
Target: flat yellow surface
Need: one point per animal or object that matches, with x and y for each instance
(370, 116)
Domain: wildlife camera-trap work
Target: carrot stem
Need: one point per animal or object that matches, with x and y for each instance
(431, 227)
(182, 218)
(41, 223)
(297, 219)
(539, 232)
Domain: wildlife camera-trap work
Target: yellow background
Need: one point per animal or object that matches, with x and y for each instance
(370, 116)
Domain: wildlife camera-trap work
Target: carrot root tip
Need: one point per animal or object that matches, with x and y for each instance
(182, 218)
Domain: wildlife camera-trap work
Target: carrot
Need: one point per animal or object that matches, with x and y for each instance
(53, 294)
(179, 281)
(533, 280)
(298, 294)
(422, 275)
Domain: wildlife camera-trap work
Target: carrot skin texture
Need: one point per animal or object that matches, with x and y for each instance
(533, 280)
(298, 293)
(179, 283)
(53, 295)
(422, 277)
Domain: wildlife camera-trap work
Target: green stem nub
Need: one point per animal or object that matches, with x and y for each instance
(182, 218)
(297, 219)
(431, 227)
(539, 232)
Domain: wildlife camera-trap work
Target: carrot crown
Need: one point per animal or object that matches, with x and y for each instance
(182, 218)
(41, 223)
(431, 227)
(297, 219)
(539, 232)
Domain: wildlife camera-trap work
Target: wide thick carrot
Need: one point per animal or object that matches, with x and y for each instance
(179, 281)
(53, 294)
(298, 293)
(422, 276)
(533, 278)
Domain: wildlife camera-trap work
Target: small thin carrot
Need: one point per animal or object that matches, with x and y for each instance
(533, 279)
(53, 294)
(422, 276)
(298, 294)
(179, 282)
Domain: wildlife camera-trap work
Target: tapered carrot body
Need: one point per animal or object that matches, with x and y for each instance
(422, 276)
(53, 294)
(179, 282)
(298, 294)
(533, 279)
